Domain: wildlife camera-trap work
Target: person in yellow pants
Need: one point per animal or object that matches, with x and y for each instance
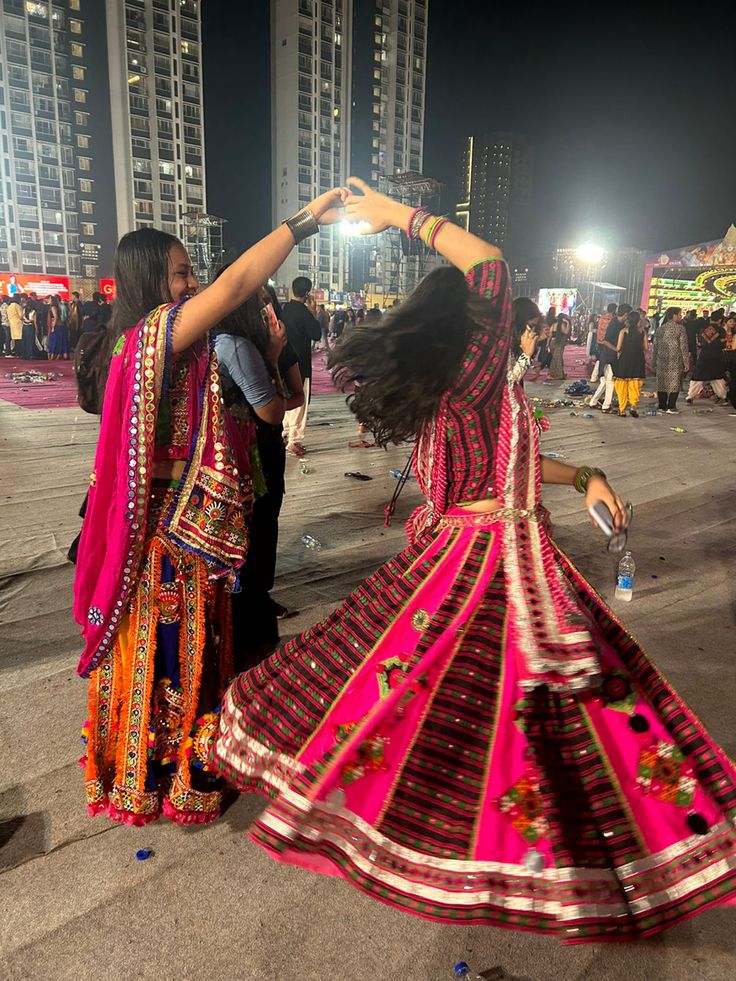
(629, 369)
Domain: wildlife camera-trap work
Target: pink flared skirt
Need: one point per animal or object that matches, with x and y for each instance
(401, 749)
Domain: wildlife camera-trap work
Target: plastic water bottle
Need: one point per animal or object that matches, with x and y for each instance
(396, 473)
(625, 579)
(312, 543)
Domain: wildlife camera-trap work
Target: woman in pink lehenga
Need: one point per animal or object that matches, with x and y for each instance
(473, 736)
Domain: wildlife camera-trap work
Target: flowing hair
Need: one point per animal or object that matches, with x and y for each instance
(406, 361)
(141, 270)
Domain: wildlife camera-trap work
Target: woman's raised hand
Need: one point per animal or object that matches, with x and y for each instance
(327, 208)
(372, 211)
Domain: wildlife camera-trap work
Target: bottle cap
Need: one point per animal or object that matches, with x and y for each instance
(462, 966)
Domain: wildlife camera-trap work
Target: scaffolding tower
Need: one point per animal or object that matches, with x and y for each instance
(203, 240)
(401, 264)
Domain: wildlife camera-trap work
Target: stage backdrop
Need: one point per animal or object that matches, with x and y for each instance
(699, 277)
(38, 283)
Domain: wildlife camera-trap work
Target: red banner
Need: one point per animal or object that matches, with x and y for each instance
(107, 288)
(12, 284)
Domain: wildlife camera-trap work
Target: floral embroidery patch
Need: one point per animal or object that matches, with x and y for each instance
(421, 620)
(523, 804)
(390, 673)
(665, 775)
(618, 692)
(95, 616)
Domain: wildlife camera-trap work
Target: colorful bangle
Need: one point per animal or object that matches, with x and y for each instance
(428, 230)
(583, 476)
(439, 225)
(416, 222)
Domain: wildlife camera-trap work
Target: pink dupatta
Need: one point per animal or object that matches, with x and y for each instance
(208, 514)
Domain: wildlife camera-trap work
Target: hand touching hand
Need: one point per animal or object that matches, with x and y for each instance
(373, 211)
(327, 208)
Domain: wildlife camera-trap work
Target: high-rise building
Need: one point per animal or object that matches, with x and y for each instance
(311, 106)
(102, 126)
(155, 67)
(47, 200)
(348, 81)
(494, 196)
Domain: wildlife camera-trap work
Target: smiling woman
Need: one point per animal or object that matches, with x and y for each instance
(166, 529)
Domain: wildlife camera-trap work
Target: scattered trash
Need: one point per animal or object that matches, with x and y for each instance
(556, 456)
(652, 412)
(655, 577)
(678, 429)
(311, 543)
(397, 474)
(142, 854)
(303, 468)
(580, 387)
(35, 377)
(702, 412)
(357, 475)
(582, 415)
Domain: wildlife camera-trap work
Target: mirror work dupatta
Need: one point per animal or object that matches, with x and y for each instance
(208, 512)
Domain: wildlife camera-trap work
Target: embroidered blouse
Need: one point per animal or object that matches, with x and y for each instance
(474, 404)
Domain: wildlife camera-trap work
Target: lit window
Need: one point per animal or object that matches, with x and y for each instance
(85, 186)
(82, 141)
(74, 4)
(75, 26)
(78, 72)
(81, 118)
(88, 207)
(87, 228)
(80, 96)
(77, 50)
(84, 163)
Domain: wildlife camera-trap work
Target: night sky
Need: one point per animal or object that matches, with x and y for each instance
(633, 121)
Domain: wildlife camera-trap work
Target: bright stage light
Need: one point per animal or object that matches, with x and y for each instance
(354, 228)
(589, 253)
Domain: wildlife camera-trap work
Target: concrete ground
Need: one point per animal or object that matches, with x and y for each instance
(74, 902)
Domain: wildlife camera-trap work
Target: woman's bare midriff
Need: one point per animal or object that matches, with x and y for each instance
(486, 506)
(168, 470)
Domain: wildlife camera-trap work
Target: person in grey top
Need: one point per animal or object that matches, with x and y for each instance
(670, 359)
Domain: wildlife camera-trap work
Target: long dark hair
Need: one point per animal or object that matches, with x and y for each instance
(141, 270)
(410, 357)
(245, 321)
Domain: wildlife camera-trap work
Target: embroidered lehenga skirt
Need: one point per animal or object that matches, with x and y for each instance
(154, 700)
(404, 747)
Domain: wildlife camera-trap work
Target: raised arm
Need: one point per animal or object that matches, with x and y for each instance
(376, 212)
(246, 274)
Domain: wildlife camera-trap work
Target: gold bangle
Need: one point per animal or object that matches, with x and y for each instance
(583, 476)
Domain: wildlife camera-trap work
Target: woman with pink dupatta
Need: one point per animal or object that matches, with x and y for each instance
(473, 736)
(165, 530)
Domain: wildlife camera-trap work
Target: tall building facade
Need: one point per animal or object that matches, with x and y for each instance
(348, 88)
(155, 68)
(47, 197)
(311, 62)
(494, 198)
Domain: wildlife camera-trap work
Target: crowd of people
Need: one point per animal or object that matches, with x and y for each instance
(625, 346)
(34, 328)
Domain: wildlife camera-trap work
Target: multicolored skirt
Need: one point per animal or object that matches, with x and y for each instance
(154, 700)
(402, 750)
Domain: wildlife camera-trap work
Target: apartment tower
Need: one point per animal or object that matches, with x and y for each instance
(48, 207)
(155, 68)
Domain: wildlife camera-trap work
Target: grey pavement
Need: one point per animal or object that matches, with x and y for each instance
(208, 904)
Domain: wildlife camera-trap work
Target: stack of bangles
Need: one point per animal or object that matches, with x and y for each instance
(422, 224)
(583, 476)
